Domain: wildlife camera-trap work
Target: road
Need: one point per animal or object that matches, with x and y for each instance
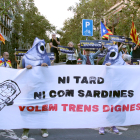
(126, 133)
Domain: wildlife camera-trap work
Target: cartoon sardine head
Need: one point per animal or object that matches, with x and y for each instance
(9, 89)
(38, 50)
(113, 56)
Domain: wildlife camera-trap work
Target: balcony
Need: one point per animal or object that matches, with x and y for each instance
(111, 17)
(115, 8)
(10, 15)
(10, 27)
(3, 22)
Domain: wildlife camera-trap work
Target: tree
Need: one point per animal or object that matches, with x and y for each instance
(6, 5)
(27, 24)
(30, 23)
(125, 18)
(72, 29)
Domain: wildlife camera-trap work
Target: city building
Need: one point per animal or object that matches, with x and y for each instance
(114, 12)
(6, 27)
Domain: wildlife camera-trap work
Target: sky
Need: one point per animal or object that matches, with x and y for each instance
(55, 10)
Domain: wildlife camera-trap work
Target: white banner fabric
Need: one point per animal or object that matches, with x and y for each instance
(80, 96)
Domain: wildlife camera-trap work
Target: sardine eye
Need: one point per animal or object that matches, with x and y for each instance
(42, 48)
(112, 54)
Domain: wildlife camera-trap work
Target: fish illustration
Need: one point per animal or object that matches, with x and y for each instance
(9, 90)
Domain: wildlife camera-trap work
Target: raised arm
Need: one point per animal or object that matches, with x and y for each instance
(120, 46)
(79, 53)
(135, 47)
(98, 52)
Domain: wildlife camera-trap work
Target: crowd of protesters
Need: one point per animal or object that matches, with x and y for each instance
(71, 59)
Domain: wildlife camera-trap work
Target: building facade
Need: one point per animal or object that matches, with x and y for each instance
(114, 12)
(6, 27)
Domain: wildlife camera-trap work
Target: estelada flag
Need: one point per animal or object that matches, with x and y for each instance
(2, 39)
(105, 32)
(133, 34)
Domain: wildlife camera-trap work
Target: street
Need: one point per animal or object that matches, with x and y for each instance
(126, 133)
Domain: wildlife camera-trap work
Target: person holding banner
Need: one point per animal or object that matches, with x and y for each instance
(113, 57)
(54, 42)
(124, 50)
(71, 58)
(36, 56)
(4, 62)
(88, 59)
(136, 51)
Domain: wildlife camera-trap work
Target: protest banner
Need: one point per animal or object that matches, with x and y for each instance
(102, 54)
(86, 44)
(65, 49)
(128, 40)
(74, 97)
(95, 43)
(135, 61)
(123, 39)
(107, 43)
(51, 56)
(20, 52)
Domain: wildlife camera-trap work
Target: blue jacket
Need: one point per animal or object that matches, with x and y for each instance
(91, 57)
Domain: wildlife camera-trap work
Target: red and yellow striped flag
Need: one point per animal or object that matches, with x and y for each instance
(2, 39)
(133, 34)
